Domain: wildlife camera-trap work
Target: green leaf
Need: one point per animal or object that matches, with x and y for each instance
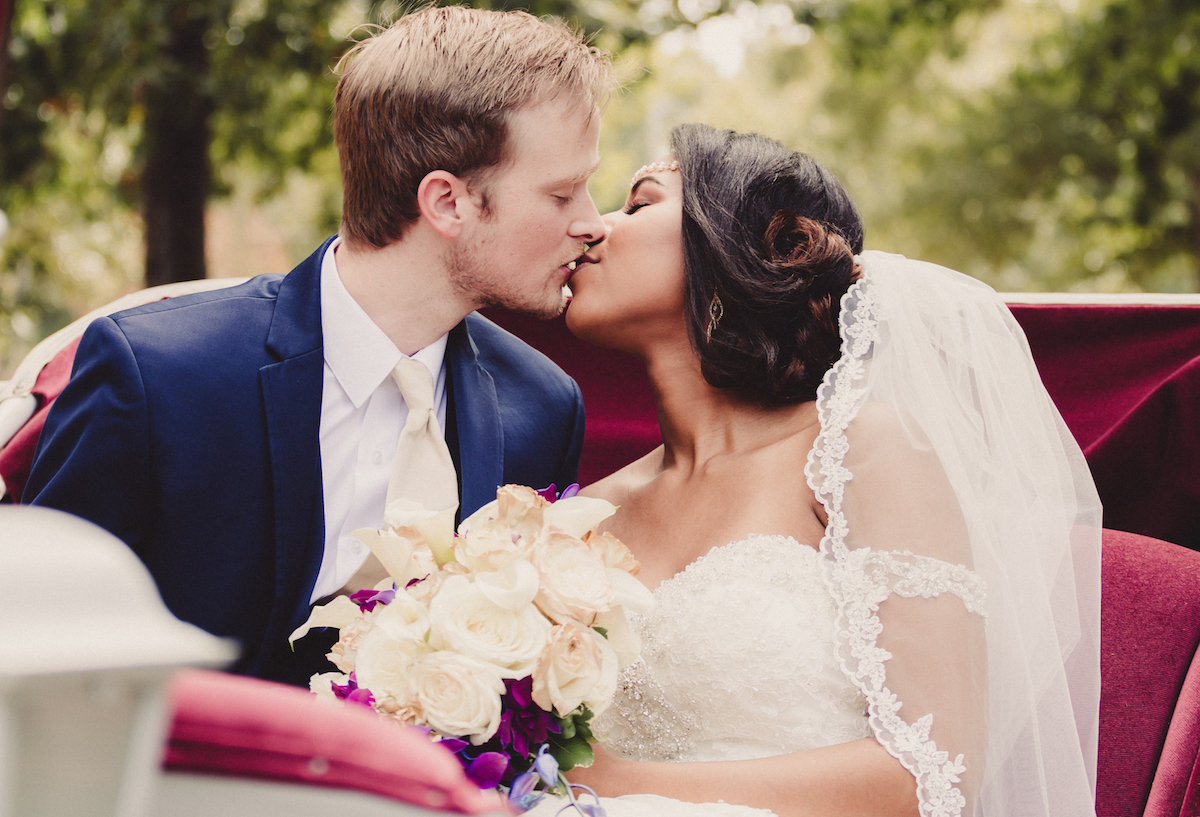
(572, 753)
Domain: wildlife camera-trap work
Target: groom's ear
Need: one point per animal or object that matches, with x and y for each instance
(445, 202)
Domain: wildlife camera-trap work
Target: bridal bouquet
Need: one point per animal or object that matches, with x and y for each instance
(503, 639)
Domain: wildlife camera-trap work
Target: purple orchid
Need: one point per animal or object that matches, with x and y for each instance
(367, 599)
(546, 766)
(352, 692)
(487, 770)
(523, 723)
(550, 493)
(521, 795)
(455, 745)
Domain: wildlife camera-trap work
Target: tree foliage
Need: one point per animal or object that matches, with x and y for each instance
(1094, 141)
(1077, 167)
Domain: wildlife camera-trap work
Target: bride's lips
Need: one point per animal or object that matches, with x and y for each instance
(585, 260)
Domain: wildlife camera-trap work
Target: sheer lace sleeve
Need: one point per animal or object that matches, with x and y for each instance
(962, 547)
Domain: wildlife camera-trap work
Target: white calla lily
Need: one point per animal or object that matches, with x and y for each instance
(404, 619)
(620, 636)
(337, 613)
(436, 527)
(512, 587)
(630, 593)
(577, 515)
(393, 552)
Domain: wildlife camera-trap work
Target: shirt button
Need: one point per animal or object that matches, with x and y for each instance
(376, 457)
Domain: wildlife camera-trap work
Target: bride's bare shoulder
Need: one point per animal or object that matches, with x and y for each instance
(617, 486)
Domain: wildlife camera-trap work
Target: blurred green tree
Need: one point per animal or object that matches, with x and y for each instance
(198, 81)
(1087, 158)
(1079, 161)
(206, 81)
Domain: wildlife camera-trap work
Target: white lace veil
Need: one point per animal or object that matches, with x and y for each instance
(963, 547)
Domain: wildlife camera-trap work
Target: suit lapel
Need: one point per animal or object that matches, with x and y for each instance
(291, 393)
(477, 422)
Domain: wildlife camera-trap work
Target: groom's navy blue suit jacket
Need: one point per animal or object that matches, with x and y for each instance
(190, 430)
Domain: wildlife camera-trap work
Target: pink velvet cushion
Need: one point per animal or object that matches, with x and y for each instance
(16, 456)
(1150, 687)
(225, 724)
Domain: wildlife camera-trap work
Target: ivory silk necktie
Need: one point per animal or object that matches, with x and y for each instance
(422, 469)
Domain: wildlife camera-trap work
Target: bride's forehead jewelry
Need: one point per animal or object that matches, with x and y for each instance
(654, 167)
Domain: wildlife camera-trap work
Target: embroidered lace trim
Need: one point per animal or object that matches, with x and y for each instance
(862, 578)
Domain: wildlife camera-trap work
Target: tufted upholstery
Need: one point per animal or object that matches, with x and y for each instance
(1149, 753)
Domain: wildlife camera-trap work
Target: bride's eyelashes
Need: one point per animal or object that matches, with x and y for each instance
(630, 209)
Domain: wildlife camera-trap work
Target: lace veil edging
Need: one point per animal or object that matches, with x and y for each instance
(962, 547)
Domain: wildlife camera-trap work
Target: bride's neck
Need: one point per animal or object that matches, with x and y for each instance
(700, 422)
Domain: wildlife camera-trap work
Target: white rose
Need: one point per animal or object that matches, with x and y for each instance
(575, 583)
(382, 666)
(457, 696)
(575, 667)
(463, 619)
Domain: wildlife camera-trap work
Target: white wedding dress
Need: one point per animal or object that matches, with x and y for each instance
(951, 611)
(738, 662)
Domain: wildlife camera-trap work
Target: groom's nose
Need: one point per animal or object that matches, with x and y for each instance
(589, 227)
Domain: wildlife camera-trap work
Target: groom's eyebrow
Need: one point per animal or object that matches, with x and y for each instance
(578, 178)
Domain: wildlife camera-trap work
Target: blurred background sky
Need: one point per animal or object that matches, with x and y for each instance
(1036, 144)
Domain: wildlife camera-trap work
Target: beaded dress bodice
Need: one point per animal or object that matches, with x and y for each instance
(737, 662)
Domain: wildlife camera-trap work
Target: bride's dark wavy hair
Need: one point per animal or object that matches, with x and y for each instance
(769, 239)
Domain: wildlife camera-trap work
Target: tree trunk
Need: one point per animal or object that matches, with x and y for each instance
(177, 175)
(7, 9)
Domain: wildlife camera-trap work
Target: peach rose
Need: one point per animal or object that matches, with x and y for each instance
(576, 667)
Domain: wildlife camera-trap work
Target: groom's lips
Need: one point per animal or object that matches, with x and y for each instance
(584, 260)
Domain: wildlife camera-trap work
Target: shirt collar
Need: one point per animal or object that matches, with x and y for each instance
(357, 351)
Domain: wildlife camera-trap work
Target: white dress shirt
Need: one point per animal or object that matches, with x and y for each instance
(362, 413)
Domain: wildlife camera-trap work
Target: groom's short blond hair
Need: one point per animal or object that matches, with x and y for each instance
(434, 92)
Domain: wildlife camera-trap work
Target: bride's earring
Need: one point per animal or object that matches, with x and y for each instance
(715, 311)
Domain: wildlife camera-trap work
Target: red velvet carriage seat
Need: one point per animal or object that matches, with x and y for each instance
(1149, 754)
